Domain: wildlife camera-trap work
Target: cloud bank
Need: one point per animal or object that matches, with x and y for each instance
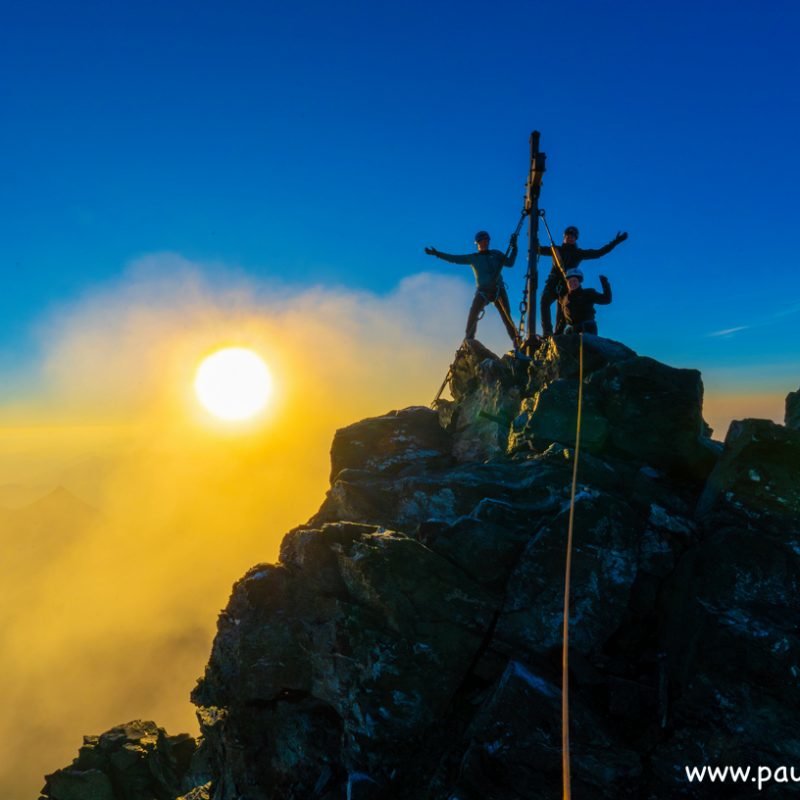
(116, 622)
(111, 618)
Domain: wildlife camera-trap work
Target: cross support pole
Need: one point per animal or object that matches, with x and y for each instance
(532, 190)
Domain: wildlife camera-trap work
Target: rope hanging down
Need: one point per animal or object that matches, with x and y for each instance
(565, 752)
(523, 306)
(553, 248)
(516, 232)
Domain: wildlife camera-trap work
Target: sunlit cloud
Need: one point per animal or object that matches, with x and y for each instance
(185, 502)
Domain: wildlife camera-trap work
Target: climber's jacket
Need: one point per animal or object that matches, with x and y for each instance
(486, 265)
(571, 255)
(578, 305)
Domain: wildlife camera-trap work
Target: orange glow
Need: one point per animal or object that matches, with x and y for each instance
(720, 409)
(110, 615)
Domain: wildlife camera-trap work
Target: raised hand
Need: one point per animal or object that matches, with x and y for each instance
(431, 251)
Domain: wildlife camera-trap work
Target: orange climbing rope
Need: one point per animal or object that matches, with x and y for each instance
(565, 752)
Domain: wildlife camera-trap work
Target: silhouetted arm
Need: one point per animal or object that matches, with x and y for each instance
(509, 262)
(605, 298)
(607, 248)
(432, 251)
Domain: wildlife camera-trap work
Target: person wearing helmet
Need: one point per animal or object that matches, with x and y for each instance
(487, 265)
(577, 304)
(570, 256)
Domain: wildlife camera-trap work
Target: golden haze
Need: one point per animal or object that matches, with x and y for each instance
(111, 616)
(110, 613)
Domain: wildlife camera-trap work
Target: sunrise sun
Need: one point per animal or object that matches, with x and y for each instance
(233, 384)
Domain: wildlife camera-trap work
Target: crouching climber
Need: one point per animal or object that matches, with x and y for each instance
(487, 265)
(577, 305)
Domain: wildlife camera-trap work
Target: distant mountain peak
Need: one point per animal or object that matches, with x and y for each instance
(61, 500)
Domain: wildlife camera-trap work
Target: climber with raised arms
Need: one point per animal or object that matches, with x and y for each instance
(570, 256)
(577, 305)
(487, 265)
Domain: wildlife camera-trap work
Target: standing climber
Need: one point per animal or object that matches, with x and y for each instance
(577, 305)
(570, 256)
(487, 265)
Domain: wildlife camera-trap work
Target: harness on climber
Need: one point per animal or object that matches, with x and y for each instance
(500, 282)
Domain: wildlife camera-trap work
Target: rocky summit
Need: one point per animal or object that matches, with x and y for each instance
(408, 642)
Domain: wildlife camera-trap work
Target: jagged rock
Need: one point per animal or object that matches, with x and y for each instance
(401, 440)
(400, 503)
(407, 644)
(198, 793)
(633, 407)
(551, 416)
(728, 610)
(756, 478)
(558, 359)
(474, 365)
(655, 415)
(792, 416)
(487, 397)
(665, 538)
(514, 746)
(403, 503)
(73, 784)
(351, 652)
(135, 761)
(603, 571)
(733, 649)
(487, 543)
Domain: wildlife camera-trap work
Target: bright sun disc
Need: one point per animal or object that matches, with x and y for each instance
(233, 384)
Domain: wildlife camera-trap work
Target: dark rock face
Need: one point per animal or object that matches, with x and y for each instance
(487, 393)
(405, 440)
(604, 567)
(353, 648)
(757, 477)
(136, 761)
(515, 746)
(792, 418)
(633, 407)
(408, 642)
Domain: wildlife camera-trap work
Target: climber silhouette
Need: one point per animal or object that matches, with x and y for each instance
(570, 256)
(487, 265)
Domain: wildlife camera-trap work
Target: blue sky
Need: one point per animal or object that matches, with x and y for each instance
(311, 142)
(278, 146)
